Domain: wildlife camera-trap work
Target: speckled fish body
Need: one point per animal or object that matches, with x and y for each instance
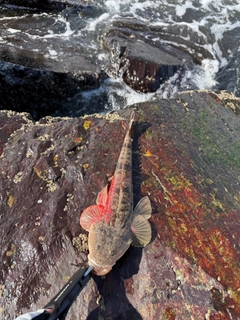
(113, 231)
(110, 221)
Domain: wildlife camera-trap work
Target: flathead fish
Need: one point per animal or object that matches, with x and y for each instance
(112, 223)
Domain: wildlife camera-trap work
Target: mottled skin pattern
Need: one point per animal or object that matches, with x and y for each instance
(110, 237)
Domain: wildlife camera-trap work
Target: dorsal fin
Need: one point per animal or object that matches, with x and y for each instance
(102, 196)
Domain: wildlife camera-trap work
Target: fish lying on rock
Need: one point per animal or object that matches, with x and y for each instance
(112, 223)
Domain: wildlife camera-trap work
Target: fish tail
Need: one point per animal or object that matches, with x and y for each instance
(132, 118)
(131, 122)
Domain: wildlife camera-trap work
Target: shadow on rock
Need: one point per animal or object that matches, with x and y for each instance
(113, 301)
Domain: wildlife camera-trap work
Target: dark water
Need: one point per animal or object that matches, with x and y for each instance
(209, 30)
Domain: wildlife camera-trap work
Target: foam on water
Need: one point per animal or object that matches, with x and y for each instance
(204, 28)
(208, 23)
(13, 30)
(118, 94)
(112, 5)
(92, 25)
(205, 77)
(125, 92)
(182, 8)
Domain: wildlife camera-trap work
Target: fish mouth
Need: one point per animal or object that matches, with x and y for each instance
(98, 269)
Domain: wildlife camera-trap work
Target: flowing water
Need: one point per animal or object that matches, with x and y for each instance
(209, 30)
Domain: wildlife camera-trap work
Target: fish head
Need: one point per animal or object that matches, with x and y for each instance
(109, 239)
(98, 269)
(107, 244)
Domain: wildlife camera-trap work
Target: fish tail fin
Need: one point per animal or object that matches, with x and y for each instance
(131, 122)
(132, 118)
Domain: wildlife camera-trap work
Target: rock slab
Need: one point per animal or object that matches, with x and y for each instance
(51, 170)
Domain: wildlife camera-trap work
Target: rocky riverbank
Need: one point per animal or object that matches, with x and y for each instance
(59, 60)
(186, 160)
(51, 64)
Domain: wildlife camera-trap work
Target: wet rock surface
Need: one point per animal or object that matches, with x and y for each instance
(143, 64)
(45, 92)
(43, 68)
(41, 5)
(51, 170)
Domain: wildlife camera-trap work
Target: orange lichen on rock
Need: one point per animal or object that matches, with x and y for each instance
(78, 139)
(148, 153)
(10, 200)
(170, 314)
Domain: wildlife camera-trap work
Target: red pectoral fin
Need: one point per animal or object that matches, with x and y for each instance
(91, 215)
(102, 196)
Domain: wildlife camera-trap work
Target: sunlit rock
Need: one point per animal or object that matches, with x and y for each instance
(143, 63)
(186, 159)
